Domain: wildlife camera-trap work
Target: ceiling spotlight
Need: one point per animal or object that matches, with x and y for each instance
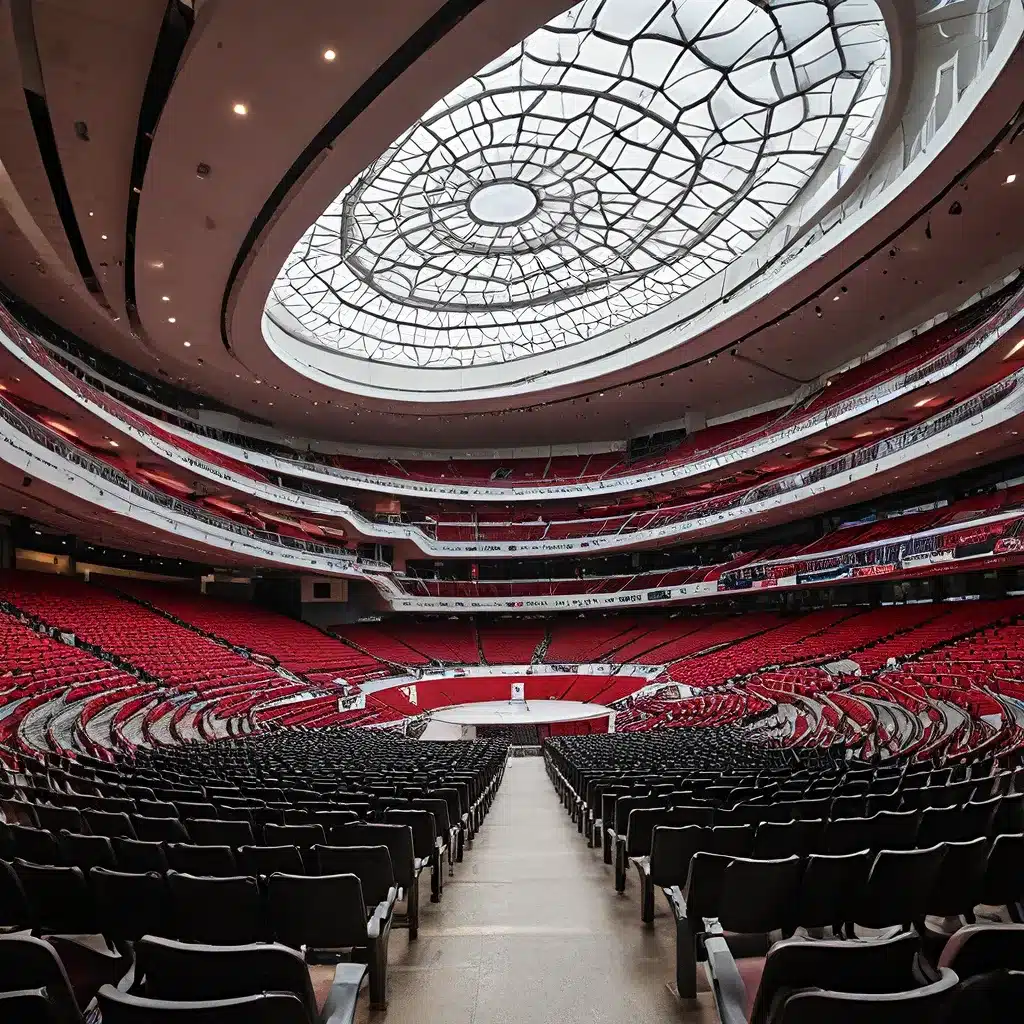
(817, 312)
(240, 109)
(1011, 178)
(1016, 348)
(165, 298)
(172, 320)
(157, 264)
(104, 237)
(924, 401)
(114, 444)
(188, 344)
(329, 55)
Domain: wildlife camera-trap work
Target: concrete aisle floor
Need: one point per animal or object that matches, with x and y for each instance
(530, 929)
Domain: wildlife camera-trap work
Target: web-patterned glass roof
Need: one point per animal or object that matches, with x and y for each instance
(616, 158)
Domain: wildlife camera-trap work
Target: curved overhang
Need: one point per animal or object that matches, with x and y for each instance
(225, 197)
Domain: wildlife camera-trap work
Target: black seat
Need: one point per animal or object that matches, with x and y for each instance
(201, 860)
(978, 949)
(994, 996)
(159, 830)
(214, 832)
(265, 860)
(29, 963)
(1004, 873)
(915, 1006)
(174, 970)
(217, 911)
(899, 887)
(59, 899)
(961, 879)
(294, 835)
(370, 864)
(130, 905)
(109, 823)
(34, 845)
(266, 1008)
(775, 839)
(424, 841)
(328, 913)
(846, 835)
(406, 867)
(14, 908)
(135, 855)
(831, 888)
(85, 851)
(53, 819)
(760, 896)
(877, 966)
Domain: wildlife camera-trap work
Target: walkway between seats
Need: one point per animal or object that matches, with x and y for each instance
(530, 929)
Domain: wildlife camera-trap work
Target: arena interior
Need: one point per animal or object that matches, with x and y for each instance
(511, 512)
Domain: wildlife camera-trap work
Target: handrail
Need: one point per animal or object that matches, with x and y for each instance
(979, 336)
(52, 441)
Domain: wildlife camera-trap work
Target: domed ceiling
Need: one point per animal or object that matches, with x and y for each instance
(618, 157)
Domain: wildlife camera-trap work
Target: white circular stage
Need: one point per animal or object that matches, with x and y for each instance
(520, 712)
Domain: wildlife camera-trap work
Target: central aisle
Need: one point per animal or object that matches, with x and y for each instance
(530, 929)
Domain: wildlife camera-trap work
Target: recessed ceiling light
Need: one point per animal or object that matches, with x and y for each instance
(91, 214)
(924, 401)
(104, 237)
(240, 109)
(1011, 178)
(157, 264)
(165, 298)
(329, 55)
(172, 320)
(114, 444)
(237, 375)
(258, 381)
(188, 344)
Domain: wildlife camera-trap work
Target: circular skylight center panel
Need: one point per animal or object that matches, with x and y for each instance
(503, 203)
(616, 160)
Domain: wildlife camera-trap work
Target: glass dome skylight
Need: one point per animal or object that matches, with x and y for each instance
(616, 158)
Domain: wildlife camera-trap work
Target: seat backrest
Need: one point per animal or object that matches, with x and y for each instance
(961, 879)
(319, 912)
(58, 897)
(214, 832)
(265, 860)
(14, 908)
(423, 829)
(266, 1008)
(760, 896)
(217, 910)
(28, 1006)
(997, 995)
(53, 819)
(85, 851)
(109, 823)
(885, 965)
(130, 905)
(35, 845)
(371, 864)
(672, 848)
(704, 886)
(731, 839)
(294, 835)
(167, 969)
(831, 888)
(396, 837)
(201, 860)
(915, 1006)
(135, 855)
(899, 886)
(1004, 873)
(30, 963)
(977, 949)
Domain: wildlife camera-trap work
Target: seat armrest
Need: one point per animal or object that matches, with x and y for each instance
(377, 925)
(727, 984)
(340, 1007)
